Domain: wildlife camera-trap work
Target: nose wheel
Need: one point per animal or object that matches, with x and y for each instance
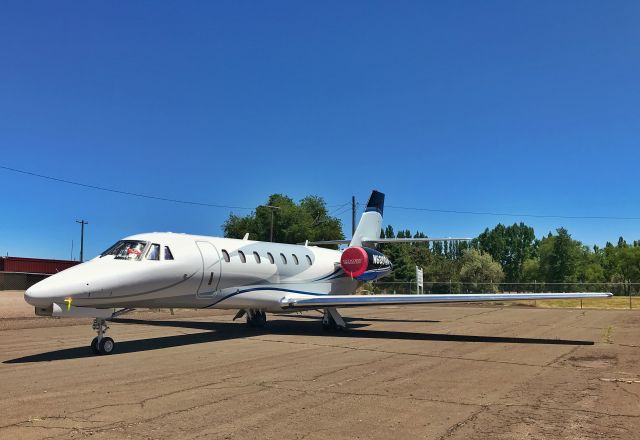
(101, 344)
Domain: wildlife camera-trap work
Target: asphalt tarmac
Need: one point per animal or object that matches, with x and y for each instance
(428, 372)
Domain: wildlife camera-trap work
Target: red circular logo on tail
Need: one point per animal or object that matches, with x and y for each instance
(354, 261)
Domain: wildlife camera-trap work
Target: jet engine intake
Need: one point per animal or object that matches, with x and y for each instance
(364, 264)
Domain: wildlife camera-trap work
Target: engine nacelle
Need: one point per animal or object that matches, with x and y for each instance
(364, 264)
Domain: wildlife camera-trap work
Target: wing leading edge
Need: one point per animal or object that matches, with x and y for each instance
(376, 300)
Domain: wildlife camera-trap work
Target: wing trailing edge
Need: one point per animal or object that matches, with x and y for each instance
(376, 300)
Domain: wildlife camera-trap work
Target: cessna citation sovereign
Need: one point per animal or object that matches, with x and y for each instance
(167, 270)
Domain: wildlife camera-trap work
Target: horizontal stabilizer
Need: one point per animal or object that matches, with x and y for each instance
(391, 240)
(376, 300)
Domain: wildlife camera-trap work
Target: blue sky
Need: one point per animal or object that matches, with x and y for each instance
(524, 107)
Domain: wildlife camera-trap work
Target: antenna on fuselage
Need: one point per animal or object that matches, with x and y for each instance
(246, 236)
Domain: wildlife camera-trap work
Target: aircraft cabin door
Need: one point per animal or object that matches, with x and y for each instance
(211, 268)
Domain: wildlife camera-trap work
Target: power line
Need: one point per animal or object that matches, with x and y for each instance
(127, 193)
(508, 214)
(338, 211)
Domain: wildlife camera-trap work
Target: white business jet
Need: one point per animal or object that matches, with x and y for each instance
(167, 270)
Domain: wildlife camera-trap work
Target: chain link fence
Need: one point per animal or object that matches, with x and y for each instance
(630, 291)
(19, 281)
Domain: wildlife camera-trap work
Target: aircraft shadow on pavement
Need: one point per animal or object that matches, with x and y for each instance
(316, 317)
(221, 331)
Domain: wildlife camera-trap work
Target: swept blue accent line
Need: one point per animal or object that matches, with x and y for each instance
(253, 289)
(331, 274)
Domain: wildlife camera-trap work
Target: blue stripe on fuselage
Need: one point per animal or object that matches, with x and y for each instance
(254, 289)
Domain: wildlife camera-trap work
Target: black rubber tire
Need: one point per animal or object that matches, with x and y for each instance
(106, 346)
(258, 320)
(94, 346)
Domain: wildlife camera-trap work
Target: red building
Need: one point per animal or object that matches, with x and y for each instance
(34, 265)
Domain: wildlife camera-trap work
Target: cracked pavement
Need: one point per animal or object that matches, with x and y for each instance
(434, 372)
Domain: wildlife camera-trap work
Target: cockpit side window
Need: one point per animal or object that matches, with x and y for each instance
(126, 250)
(154, 252)
(167, 253)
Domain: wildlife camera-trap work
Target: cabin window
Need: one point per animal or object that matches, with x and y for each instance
(270, 258)
(284, 259)
(295, 259)
(257, 257)
(242, 257)
(167, 253)
(225, 255)
(309, 260)
(154, 252)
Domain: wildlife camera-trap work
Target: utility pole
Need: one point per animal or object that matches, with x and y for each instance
(273, 208)
(353, 215)
(82, 223)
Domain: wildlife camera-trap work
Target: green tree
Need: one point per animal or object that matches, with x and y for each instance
(478, 268)
(559, 257)
(511, 246)
(293, 223)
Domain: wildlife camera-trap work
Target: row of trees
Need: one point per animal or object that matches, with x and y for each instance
(511, 255)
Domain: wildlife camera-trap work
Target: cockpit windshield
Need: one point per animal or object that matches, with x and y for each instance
(126, 250)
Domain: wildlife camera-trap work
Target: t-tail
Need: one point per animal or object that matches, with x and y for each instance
(370, 223)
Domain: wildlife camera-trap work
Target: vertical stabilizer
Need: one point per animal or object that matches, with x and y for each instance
(371, 220)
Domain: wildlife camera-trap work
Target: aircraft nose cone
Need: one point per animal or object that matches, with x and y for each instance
(44, 293)
(36, 296)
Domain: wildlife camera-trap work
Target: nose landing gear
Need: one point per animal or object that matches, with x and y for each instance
(101, 344)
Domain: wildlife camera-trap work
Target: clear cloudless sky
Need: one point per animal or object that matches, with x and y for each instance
(518, 107)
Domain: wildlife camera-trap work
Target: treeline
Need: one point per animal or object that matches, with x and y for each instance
(513, 255)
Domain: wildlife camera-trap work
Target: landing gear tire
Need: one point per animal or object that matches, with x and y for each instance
(106, 346)
(256, 318)
(331, 326)
(94, 346)
(101, 344)
(332, 321)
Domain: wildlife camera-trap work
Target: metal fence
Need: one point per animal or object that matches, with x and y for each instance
(630, 290)
(19, 281)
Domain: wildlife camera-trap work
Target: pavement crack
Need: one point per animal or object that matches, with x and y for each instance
(452, 430)
(578, 410)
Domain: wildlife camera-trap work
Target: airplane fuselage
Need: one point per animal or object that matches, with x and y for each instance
(197, 272)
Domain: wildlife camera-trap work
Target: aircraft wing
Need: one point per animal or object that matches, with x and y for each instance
(391, 240)
(376, 300)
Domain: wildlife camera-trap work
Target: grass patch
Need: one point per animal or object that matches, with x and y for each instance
(615, 302)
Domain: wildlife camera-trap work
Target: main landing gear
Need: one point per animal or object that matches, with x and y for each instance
(331, 320)
(256, 318)
(101, 344)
